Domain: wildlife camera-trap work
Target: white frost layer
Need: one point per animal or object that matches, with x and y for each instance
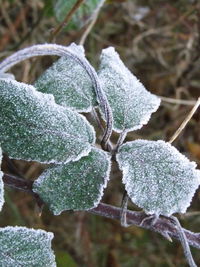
(157, 177)
(1, 184)
(33, 127)
(131, 104)
(76, 185)
(25, 247)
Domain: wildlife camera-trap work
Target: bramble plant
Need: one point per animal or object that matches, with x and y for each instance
(42, 122)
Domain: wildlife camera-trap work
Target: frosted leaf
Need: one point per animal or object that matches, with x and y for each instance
(1, 184)
(69, 83)
(33, 127)
(131, 104)
(6, 76)
(157, 177)
(76, 185)
(20, 246)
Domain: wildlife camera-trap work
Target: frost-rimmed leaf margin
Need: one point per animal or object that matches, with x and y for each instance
(158, 193)
(59, 50)
(76, 185)
(1, 184)
(37, 241)
(122, 87)
(58, 131)
(69, 82)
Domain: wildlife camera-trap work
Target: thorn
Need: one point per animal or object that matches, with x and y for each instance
(167, 236)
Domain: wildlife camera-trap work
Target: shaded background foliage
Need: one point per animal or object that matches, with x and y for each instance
(160, 42)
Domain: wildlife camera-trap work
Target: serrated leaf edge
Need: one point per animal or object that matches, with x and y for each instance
(106, 179)
(51, 100)
(103, 186)
(156, 98)
(182, 157)
(48, 235)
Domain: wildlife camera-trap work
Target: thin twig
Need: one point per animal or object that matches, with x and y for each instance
(184, 242)
(99, 124)
(123, 212)
(163, 225)
(59, 50)
(120, 140)
(177, 101)
(184, 123)
(92, 22)
(67, 19)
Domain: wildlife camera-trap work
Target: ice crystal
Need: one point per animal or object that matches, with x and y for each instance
(76, 185)
(157, 177)
(33, 127)
(131, 104)
(20, 246)
(69, 83)
(1, 184)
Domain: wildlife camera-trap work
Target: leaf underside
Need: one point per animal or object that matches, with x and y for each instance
(81, 16)
(20, 246)
(76, 185)
(33, 127)
(131, 104)
(157, 177)
(69, 83)
(1, 184)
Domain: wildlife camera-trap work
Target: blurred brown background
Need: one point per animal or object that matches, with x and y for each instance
(159, 41)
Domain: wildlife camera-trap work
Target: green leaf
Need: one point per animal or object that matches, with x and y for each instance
(20, 246)
(63, 259)
(76, 185)
(157, 177)
(69, 83)
(33, 127)
(131, 104)
(81, 16)
(1, 184)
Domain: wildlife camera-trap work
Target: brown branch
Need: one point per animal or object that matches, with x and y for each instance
(14, 27)
(163, 225)
(67, 19)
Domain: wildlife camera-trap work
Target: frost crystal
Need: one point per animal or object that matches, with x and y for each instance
(33, 127)
(76, 185)
(157, 177)
(1, 184)
(20, 246)
(131, 104)
(69, 83)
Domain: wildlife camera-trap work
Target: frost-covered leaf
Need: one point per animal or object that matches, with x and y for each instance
(157, 177)
(131, 104)
(20, 246)
(81, 16)
(6, 76)
(1, 184)
(33, 127)
(76, 185)
(69, 83)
